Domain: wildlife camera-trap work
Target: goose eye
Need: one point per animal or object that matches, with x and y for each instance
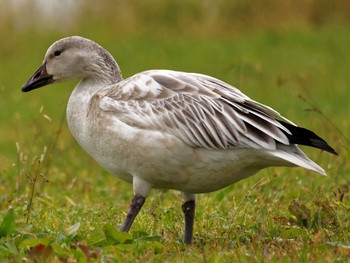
(57, 53)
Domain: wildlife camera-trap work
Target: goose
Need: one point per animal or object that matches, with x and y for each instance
(169, 129)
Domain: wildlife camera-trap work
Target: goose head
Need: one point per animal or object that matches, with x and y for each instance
(74, 58)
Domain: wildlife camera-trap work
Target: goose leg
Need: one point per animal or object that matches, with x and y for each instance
(188, 208)
(135, 207)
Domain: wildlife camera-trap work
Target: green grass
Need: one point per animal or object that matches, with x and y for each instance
(279, 215)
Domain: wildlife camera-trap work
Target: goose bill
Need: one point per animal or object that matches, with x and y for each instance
(39, 79)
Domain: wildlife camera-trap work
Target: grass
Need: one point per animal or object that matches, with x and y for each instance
(279, 215)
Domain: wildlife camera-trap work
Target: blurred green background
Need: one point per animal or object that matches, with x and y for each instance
(292, 55)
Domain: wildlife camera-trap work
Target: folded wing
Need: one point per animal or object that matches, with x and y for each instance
(200, 110)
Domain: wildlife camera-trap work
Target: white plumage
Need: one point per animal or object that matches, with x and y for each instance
(169, 129)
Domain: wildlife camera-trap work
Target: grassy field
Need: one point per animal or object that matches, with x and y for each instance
(56, 204)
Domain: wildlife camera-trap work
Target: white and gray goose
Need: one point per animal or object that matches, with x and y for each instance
(169, 129)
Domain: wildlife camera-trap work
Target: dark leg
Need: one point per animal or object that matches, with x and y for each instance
(188, 208)
(135, 206)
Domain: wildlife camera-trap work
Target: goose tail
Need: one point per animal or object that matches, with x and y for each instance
(296, 157)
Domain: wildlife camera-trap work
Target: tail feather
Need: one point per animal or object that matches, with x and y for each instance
(306, 137)
(294, 156)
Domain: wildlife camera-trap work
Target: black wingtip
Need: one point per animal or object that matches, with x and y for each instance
(306, 137)
(321, 144)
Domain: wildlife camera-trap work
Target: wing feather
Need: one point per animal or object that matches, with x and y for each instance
(198, 109)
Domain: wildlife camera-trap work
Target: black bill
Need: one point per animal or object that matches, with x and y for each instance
(39, 79)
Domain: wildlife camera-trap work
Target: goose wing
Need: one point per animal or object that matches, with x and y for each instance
(200, 110)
